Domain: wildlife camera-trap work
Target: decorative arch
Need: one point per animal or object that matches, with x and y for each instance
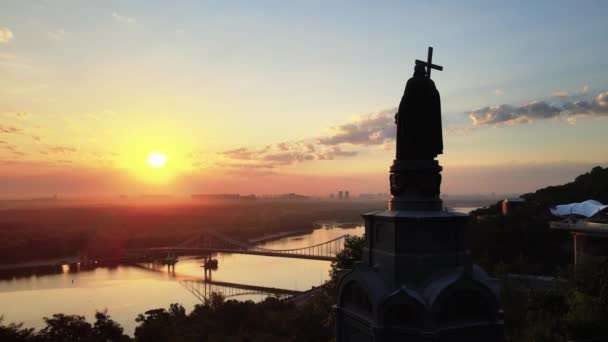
(403, 308)
(353, 296)
(465, 299)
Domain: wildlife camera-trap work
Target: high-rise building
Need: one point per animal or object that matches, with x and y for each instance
(340, 195)
(346, 194)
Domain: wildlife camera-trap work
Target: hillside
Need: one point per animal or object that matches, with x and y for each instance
(590, 185)
(523, 242)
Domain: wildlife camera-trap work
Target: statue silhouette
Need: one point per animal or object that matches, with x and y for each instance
(419, 135)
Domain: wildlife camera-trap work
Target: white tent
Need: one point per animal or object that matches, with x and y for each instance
(587, 208)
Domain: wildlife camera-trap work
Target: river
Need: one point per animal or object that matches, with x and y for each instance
(126, 291)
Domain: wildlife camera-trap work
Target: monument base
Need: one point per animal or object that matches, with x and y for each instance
(417, 282)
(415, 185)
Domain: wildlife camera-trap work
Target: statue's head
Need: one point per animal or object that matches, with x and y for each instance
(419, 70)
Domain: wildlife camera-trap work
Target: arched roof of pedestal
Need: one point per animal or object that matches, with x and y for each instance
(438, 284)
(403, 302)
(455, 282)
(365, 277)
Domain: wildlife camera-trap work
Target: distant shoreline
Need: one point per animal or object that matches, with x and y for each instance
(40, 263)
(75, 259)
(279, 235)
(260, 239)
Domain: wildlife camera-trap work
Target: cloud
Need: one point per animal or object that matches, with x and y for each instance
(596, 106)
(281, 154)
(335, 151)
(10, 129)
(6, 35)
(370, 129)
(248, 172)
(251, 166)
(16, 116)
(4, 146)
(122, 18)
(342, 141)
(58, 150)
(57, 34)
(509, 115)
(286, 158)
(61, 149)
(239, 153)
(7, 56)
(561, 94)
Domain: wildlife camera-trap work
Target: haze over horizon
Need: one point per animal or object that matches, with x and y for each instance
(293, 97)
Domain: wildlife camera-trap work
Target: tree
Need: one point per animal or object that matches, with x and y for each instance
(352, 252)
(15, 332)
(107, 330)
(68, 328)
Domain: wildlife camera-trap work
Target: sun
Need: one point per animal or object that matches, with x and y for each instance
(157, 160)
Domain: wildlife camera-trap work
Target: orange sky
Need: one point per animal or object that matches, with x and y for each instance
(291, 98)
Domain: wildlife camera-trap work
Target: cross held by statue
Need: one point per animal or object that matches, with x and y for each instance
(429, 63)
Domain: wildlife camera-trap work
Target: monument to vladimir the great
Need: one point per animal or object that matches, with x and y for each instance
(417, 281)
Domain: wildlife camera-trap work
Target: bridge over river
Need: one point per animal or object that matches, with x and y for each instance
(213, 242)
(202, 288)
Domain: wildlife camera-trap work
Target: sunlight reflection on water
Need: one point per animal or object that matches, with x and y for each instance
(128, 290)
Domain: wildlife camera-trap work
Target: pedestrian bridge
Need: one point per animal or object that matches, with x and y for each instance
(214, 242)
(202, 289)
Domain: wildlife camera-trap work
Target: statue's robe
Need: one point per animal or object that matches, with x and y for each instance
(419, 135)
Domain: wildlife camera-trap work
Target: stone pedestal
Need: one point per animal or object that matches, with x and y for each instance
(416, 281)
(415, 185)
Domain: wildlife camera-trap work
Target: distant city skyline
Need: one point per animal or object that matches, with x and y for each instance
(278, 97)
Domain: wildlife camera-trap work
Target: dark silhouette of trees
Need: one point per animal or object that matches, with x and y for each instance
(105, 329)
(353, 250)
(67, 328)
(15, 332)
(70, 328)
(590, 185)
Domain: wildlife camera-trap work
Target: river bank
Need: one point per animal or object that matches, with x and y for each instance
(129, 290)
(40, 263)
(265, 238)
(279, 235)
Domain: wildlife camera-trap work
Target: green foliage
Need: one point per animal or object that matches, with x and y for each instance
(15, 332)
(68, 328)
(514, 306)
(107, 330)
(588, 299)
(519, 244)
(545, 315)
(352, 252)
(220, 320)
(575, 310)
